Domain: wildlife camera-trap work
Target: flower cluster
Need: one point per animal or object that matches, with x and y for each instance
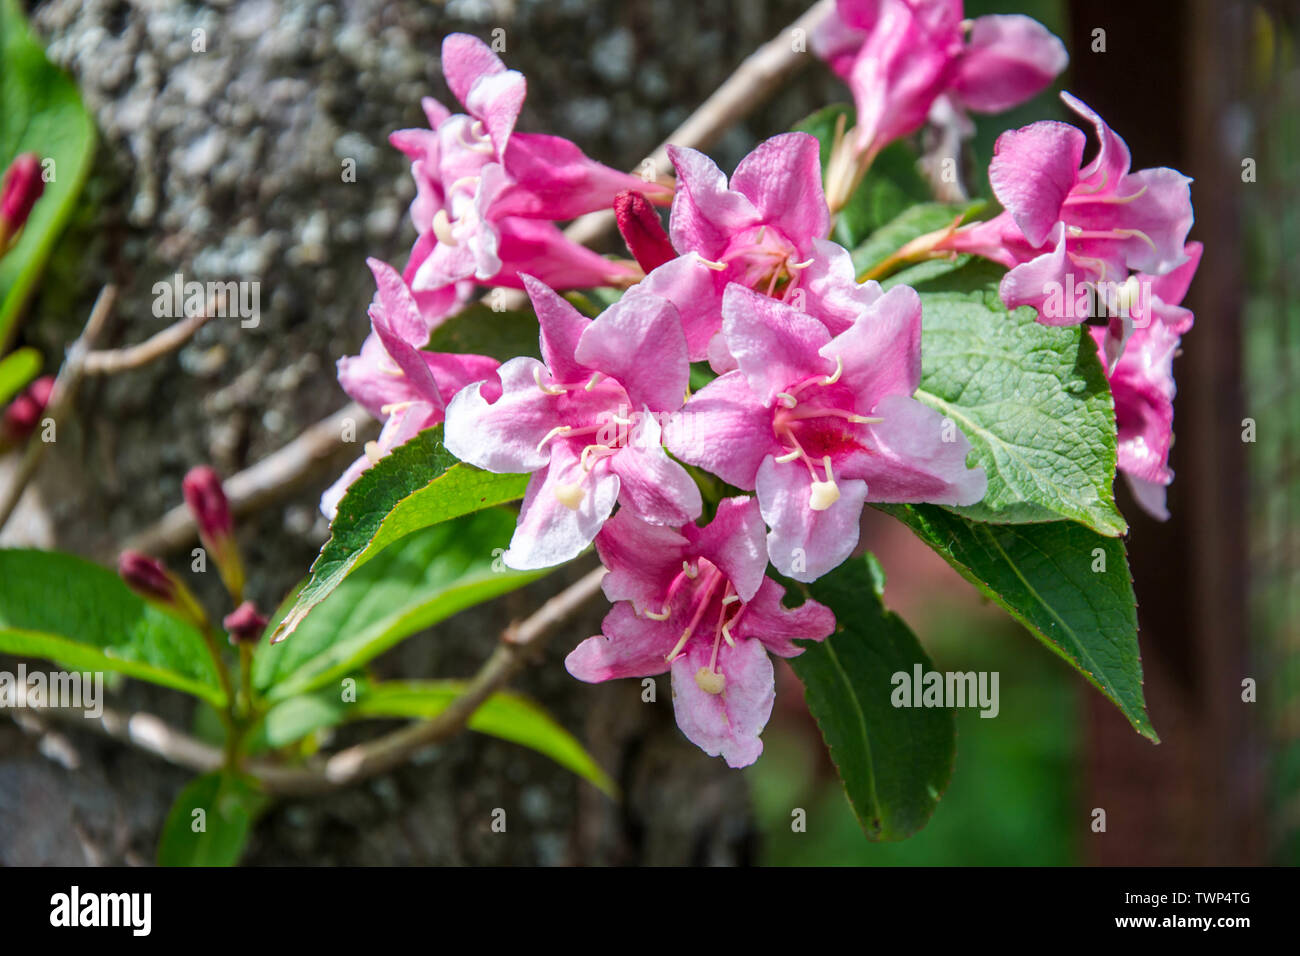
(809, 411)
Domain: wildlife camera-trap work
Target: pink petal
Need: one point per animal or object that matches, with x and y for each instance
(726, 431)
(782, 177)
(550, 532)
(642, 559)
(1111, 163)
(630, 646)
(639, 341)
(496, 100)
(726, 724)
(777, 627)
(1008, 59)
(833, 294)
(908, 460)
(734, 542)
(774, 345)
(503, 437)
(688, 284)
(562, 327)
(1150, 496)
(804, 544)
(655, 487)
(556, 180)
(706, 213)
(465, 59)
(1032, 172)
(1033, 282)
(881, 351)
(539, 248)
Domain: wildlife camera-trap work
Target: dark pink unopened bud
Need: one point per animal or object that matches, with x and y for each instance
(147, 577)
(244, 624)
(21, 188)
(24, 412)
(642, 230)
(208, 504)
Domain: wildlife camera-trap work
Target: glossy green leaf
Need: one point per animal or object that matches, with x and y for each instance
(1032, 399)
(80, 615)
(505, 715)
(1069, 586)
(894, 762)
(478, 330)
(16, 370)
(41, 113)
(210, 821)
(417, 485)
(424, 578)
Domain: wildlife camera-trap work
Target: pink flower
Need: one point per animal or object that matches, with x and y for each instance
(1142, 383)
(899, 57)
(819, 424)
(1065, 226)
(489, 195)
(585, 422)
(396, 380)
(758, 230)
(696, 602)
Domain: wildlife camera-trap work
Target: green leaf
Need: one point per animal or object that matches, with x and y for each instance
(1032, 399)
(1069, 586)
(891, 186)
(478, 330)
(40, 112)
(210, 821)
(423, 579)
(505, 715)
(80, 615)
(894, 762)
(16, 370)
(417, 485)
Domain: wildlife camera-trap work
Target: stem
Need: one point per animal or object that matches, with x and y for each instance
(919, 249)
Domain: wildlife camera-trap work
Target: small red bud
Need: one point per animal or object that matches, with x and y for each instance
(21, 188)
(208, 504)
(642, 231)
(24, 412)
(147, 577)
(244, 624)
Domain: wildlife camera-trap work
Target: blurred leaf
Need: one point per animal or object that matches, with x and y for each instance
(1070, 586)
(40, 112)
(17, 370)
(505, 715)
(1033, 400)
(422, 579)
(913, 222)
(417, 485)
(477, 330)
(890, 187)
(80, 615)
(894, 762)
(210, 821)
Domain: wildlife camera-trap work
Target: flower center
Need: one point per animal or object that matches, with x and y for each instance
(764, 259)
(594, 412)
(814, 422)
(703, 593)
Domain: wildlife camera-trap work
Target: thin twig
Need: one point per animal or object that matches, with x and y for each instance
(518, 645)
(112, 361)
(61, 395)
(260, 484)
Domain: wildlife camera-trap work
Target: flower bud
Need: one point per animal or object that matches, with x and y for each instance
(642, 231)
(207, 502)
(244, 624)
(21, 187)
(148, 578)
(24, 412)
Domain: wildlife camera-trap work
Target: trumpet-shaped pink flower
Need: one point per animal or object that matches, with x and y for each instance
(899, 57)
(1142, 383)
(1066, 226)
(697, 602)
(489, 195)
(819, 424)
(396, 380)
(584, 422)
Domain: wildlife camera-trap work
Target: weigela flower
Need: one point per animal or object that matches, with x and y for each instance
(396, 380)
(1142, 383)
(584, 421)
(819, 424)
(489, 195)
(1066, 226)
(697, 602)
(900, 57)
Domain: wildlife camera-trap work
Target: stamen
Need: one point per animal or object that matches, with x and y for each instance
(788, 400)
(839, 370)
(704, 597)
(715, 266)
(595, 378)
(824, 493)
(690, 570)
(372, 452)
(658, 615)
(548, 389)
(570, 496)
(711, 682)
(797, 266)
(789, 456)
(442, 228)
(395, 407)
(598, 452)
(557, 430)
(1128, 233)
